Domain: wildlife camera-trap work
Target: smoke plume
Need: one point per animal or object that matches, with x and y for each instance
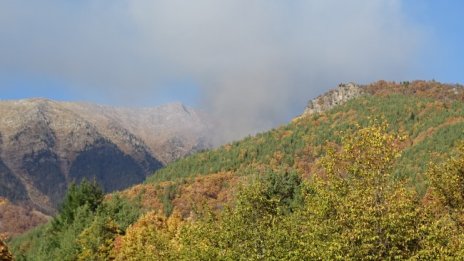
(255, 63)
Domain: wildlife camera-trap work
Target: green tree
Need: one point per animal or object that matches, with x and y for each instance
(121, 210)
(86, 193)
(111, 220)
(285, 186)
(255, 228)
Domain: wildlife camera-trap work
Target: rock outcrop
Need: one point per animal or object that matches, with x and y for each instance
(342, 94)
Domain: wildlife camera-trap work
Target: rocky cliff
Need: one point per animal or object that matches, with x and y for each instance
(342, 94)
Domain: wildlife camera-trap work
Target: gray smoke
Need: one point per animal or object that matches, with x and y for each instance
(256, 62)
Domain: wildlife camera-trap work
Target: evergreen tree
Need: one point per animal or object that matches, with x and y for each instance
(87, 194)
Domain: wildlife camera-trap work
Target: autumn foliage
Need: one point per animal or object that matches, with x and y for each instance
(4, 252)
(18, 218)
(354, 210)
(339, 185)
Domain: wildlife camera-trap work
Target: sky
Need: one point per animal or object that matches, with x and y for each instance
(251, 64)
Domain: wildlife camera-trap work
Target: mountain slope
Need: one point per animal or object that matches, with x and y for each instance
(44, 145)
(429, 113)
(428, 116)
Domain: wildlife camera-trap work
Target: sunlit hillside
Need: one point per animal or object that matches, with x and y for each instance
(377, 177)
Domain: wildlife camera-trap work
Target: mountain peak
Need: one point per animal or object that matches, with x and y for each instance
(35, 100)
(175, 107)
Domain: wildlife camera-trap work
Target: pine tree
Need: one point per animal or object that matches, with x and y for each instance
(86, 193)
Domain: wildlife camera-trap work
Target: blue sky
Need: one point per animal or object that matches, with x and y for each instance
(21, 85)
(443, 60)
(252, 64)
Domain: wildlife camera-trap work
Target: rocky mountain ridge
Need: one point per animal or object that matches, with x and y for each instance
(45, 145)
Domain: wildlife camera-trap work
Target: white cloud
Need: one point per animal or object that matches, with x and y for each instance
(255, 61)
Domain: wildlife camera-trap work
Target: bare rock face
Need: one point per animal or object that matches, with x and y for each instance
(342, 94)
(45, 145)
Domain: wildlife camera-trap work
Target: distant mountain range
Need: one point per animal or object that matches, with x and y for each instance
(45, 145)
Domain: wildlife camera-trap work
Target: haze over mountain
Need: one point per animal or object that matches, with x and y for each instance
(361, 163)
(45, 145)
(251, 65)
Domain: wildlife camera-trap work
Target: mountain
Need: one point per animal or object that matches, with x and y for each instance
(45, 145)
(430, 114)
(367, 170)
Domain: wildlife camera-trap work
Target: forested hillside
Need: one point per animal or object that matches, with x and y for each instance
(378, 177)
(429, 114)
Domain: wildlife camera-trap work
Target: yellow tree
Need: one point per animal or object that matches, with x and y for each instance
(356, 210)
(96, 241)
(152, 237)
(444, 204)
(4, 253)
